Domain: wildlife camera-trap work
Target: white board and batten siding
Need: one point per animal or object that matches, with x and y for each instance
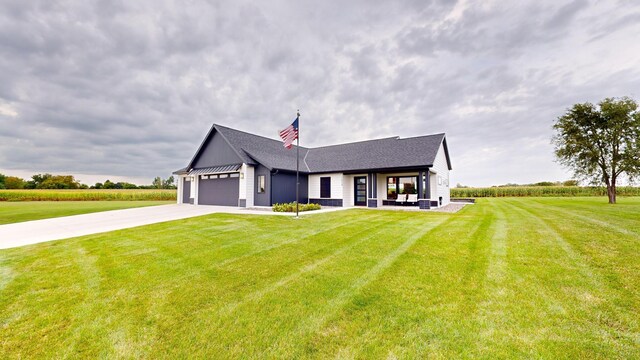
(336, 185)
(442, 180)
(179, 189)
(246, 183)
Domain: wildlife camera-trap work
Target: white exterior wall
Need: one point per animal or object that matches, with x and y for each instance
(246, 184)
(348, 187)
(195, 191)
(179, 188)
(442, 181)
(336, 186)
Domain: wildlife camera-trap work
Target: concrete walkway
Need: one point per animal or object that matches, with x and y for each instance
(37, 231)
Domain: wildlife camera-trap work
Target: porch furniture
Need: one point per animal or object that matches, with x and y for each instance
(402, 198)
(412, 198)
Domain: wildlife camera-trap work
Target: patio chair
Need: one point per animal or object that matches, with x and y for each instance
(402, 198)
(412, 198)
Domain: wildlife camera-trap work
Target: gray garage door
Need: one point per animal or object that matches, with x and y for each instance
(219, 190)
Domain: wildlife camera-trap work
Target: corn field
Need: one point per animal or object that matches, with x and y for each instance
(87, 195)
(521, 191)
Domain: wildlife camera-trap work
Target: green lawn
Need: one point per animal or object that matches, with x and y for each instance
(12, 212)
(505, 278)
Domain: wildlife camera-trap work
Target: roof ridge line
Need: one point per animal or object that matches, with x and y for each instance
(256, 135)
(420, 136)
(357, 142)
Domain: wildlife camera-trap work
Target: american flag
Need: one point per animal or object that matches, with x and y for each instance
(289, 134)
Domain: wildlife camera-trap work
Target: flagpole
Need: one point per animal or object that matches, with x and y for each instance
(297, 162)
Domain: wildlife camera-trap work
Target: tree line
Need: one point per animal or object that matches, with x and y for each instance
(49, 181)
(541, 183)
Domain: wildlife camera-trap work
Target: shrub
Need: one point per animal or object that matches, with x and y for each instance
(291, 207)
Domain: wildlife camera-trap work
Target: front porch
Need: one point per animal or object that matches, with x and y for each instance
(406, 189)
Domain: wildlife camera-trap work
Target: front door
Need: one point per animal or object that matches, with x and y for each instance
(360, 191)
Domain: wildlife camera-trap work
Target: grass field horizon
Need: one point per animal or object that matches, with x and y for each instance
(541, 191)
(505, 278)
(87, 195)
(19, 211)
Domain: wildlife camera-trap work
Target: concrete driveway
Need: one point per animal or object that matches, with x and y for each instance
(37, 231)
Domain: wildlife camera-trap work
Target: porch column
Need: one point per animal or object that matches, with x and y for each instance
(180, 184)
(372, 199)
(420, 179)
(424, 202)
(195, 196)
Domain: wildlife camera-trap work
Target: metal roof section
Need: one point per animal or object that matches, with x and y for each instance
(182, 171)
(216, 170)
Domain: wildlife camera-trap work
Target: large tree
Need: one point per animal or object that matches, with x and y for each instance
(600, 143)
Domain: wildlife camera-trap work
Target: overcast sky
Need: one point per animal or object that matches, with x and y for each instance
(128, 89)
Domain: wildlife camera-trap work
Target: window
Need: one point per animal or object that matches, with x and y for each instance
(204, 177)
(401, 185)
(224, 176)
(234, 175)
(408, 185)
(325, 187)
(261, 181)
(392, 189)
(213, 176)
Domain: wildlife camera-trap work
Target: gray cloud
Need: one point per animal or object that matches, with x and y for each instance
(130, 88)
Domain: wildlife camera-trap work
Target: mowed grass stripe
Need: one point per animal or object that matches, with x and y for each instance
(581, 215)
(401, 312)
(302, 298)
(492, 310)
(246, 270)
(182, 254)
(614, 255)
(307, 267)
(583, 290)
(133, 269)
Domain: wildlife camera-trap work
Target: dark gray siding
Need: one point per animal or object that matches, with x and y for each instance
(216, 152)
(223, 192)
(283, 187)
(326, 202)
(263, 199)
(186, 191)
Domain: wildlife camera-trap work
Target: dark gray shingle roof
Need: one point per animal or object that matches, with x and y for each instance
(376, 154)
(386, 153)
(268, 152)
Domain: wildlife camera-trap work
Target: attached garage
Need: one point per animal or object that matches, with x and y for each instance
(218, 185)
(220, 189)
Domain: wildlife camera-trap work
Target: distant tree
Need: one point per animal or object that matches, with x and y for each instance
(126, 185)
(13, 182)
(2, 178)
(37, 180)
(157, 182)
(544, 183)
(98, 185)
(168, 184)
(58, 182)
(600, 143)
(570, 183)
(460, 186)
(108, 185)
